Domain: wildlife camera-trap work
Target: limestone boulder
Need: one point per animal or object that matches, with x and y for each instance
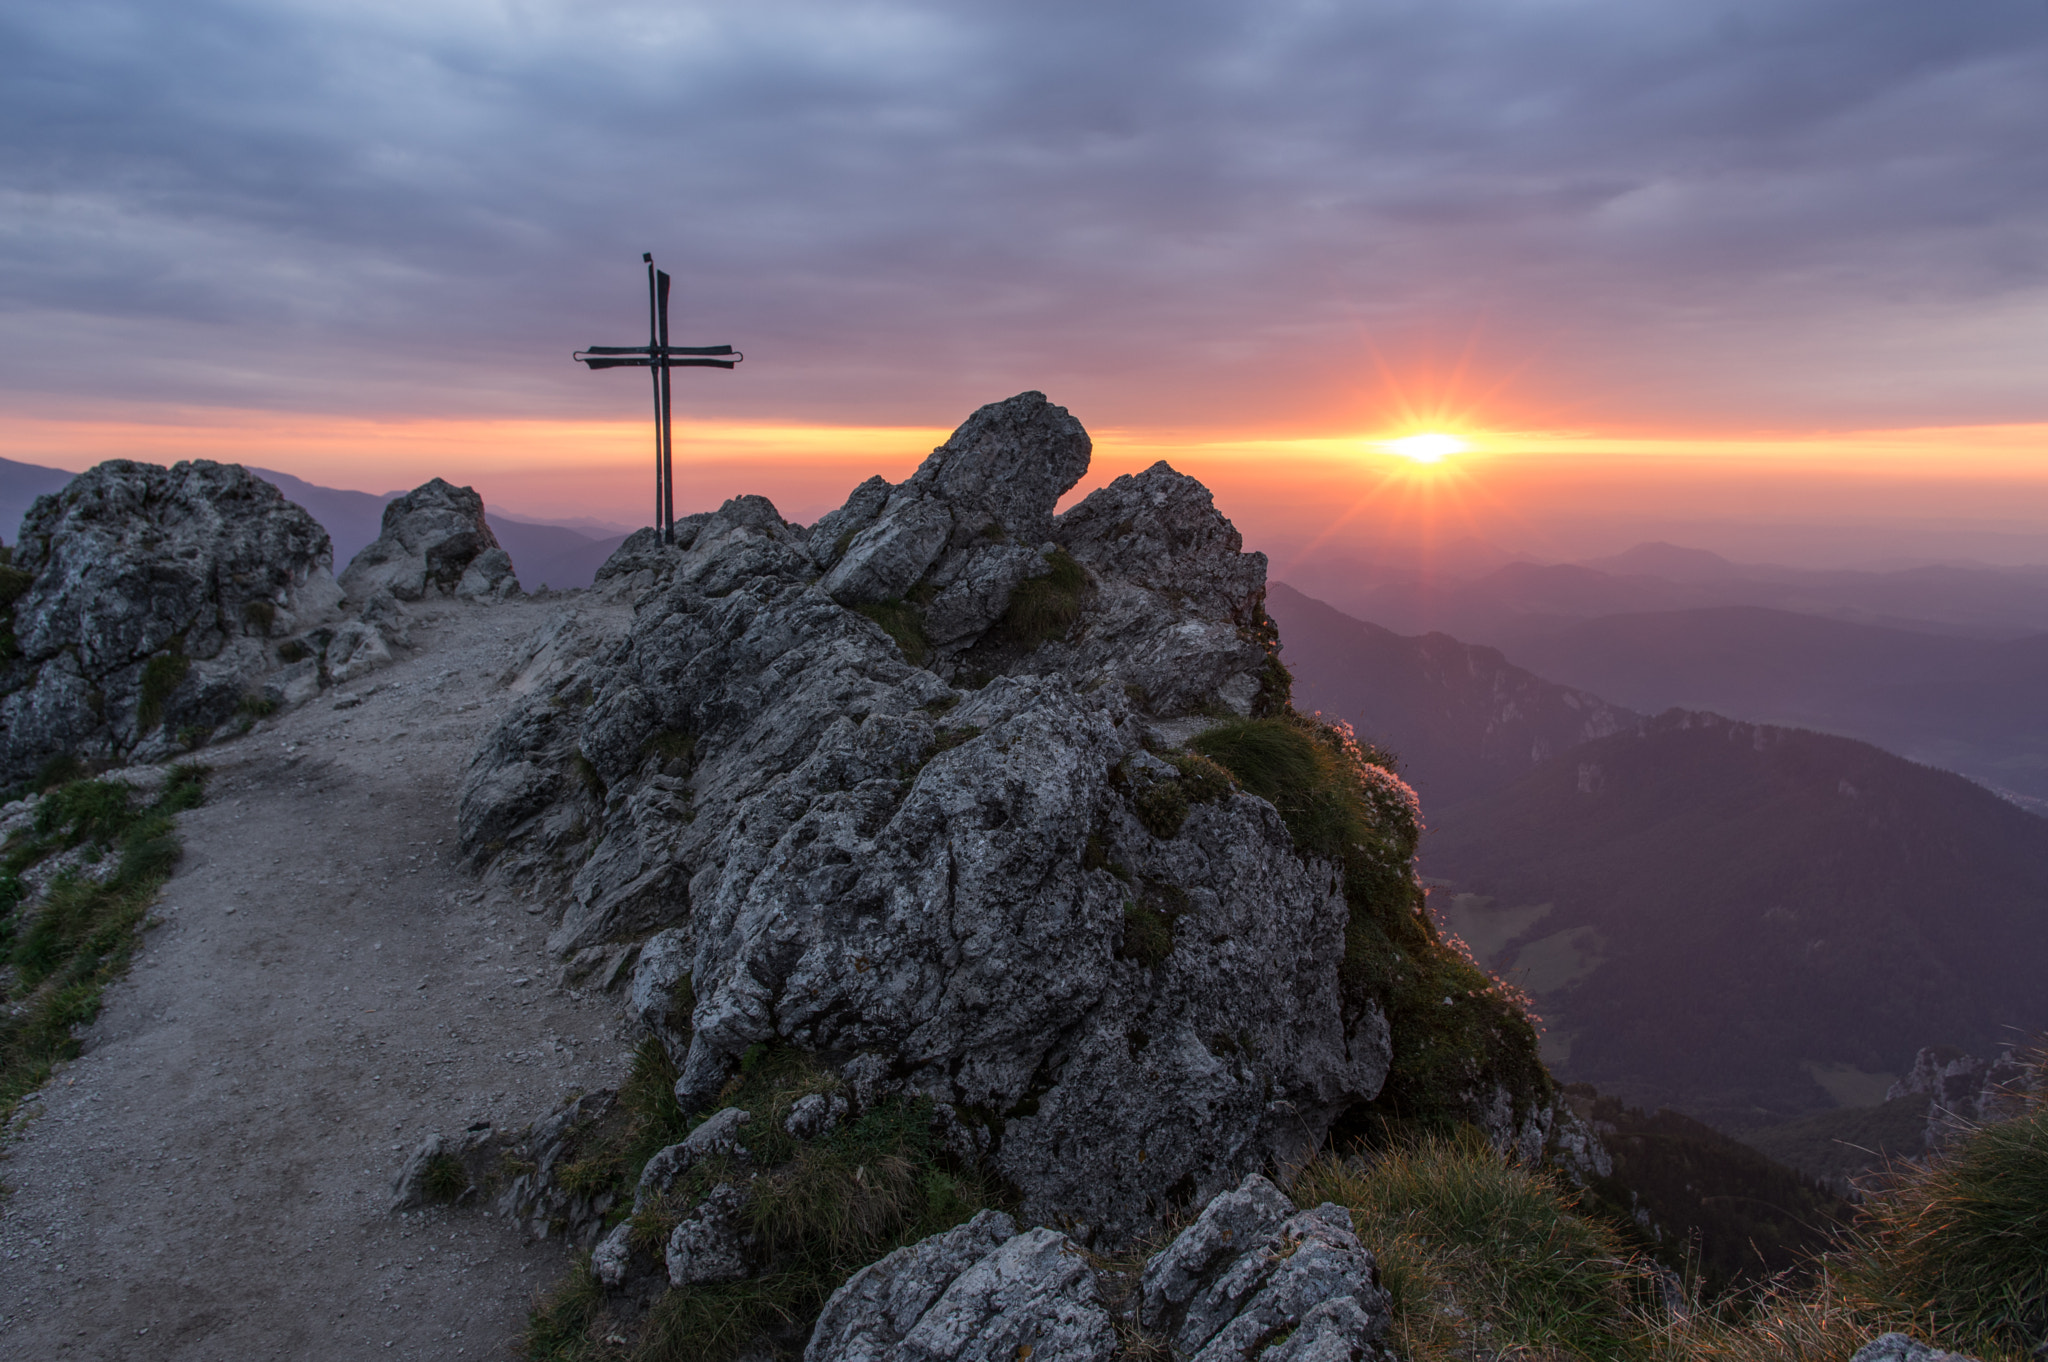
(1251, 1278)
(434, 538)
(147, 603)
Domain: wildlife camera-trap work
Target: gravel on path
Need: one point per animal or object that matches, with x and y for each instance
(325, 987)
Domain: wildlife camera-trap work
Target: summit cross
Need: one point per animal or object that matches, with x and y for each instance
(658, 356)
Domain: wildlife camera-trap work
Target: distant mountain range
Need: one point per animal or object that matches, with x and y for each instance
(1966, 704)
(1518, 601)
(1745, 922)
(1749, 922)
(1463, 720)
(559, 555)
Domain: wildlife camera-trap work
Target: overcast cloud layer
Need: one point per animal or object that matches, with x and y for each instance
(1798, 211)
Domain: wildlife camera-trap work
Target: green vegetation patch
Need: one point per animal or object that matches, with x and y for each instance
(1485, 1258)
(1148, 934)
(161, 677)
(1457, 1031)
(819, 1210)
(671, 745)
(1164, 805)
(65, 950)
(259, 616)
(945, 738)
(1045, 608)
(902, 622)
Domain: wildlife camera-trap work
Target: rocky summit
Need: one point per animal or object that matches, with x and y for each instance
(912, 792)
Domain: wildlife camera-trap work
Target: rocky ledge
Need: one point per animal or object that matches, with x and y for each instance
(1250, 1278)
(1000, 810)
(145, 607)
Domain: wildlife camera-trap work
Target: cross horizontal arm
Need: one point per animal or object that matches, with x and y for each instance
(664, 349)
(642, 363)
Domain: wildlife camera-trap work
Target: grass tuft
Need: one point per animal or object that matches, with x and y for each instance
(1045, 608)
(1148, 934)
(1479, 1254)
(161, 677)
(901, 622)
(1959, 1244)
(445, 1179)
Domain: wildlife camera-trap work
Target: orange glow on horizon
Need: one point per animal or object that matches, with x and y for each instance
(1307, 493)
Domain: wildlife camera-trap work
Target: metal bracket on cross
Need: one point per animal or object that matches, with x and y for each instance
(660, 357)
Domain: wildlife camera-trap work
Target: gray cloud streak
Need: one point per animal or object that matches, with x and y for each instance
(1806, 210)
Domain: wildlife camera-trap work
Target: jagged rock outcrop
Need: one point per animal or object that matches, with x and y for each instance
(148, 602)
(434, 537)
(1250, 1278)
(908, 788)
(517, 1171)
(1965, 1091)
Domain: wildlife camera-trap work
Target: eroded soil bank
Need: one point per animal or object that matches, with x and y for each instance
(210, 1179)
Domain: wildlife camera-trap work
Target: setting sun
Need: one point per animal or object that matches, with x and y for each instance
(1425, 448)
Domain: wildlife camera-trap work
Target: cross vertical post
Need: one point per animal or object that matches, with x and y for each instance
(660, 357)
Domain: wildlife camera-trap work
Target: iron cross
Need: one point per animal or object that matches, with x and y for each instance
(660, 357)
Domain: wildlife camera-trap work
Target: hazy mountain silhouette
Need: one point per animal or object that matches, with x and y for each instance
(1518, 601)
(1462, 719)
(1971, 705)
(20, 485)
(1731, 919)
(552, 555)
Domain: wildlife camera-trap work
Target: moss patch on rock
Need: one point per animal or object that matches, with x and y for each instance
(1045, 607)
(1459, 1035)
(902, 622)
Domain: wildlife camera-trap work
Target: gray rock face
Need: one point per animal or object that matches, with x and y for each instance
(1033, 1295)
(720, 1134)
(155, 596)
(813, 1115)
(1248, 1215)
(663, 966)
(984, 499)
(1312, 1260)
(709, 1247)
(1251, 1278)
(611, 1262)
(1250, 1268)
(1902, 1348)
(1965, 1091)
(926, 872)
(434, 537)
(866, 1319)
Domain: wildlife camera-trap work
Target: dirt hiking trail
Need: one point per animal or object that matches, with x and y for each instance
(210, 1179)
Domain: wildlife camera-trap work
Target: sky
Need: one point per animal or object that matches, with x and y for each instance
(1699, 271)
